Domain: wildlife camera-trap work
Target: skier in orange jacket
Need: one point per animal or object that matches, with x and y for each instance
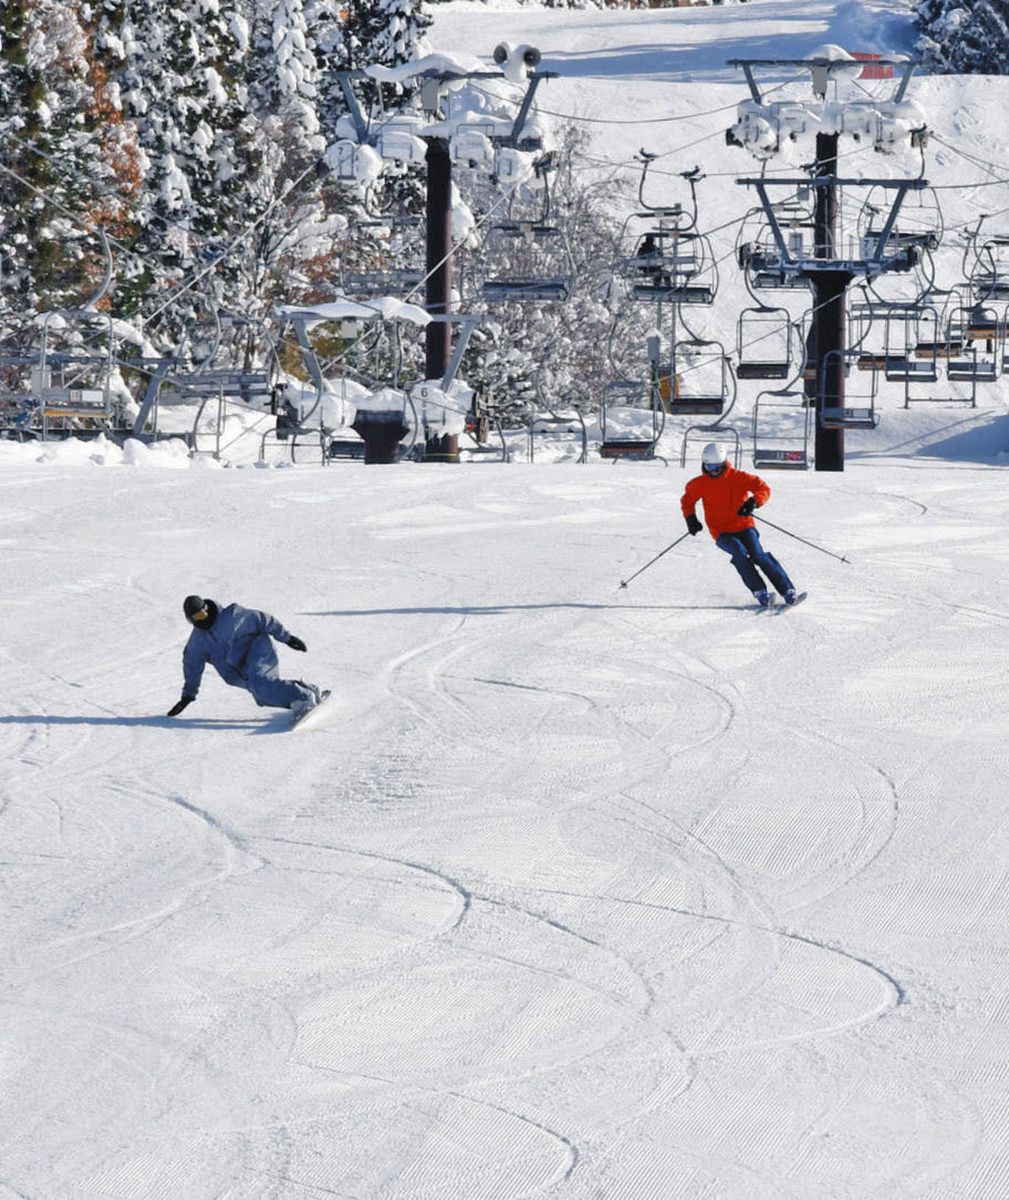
(729, 498)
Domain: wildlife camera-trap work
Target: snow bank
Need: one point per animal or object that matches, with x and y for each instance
(172, 453)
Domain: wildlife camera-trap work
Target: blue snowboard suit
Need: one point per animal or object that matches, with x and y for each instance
(238, 646)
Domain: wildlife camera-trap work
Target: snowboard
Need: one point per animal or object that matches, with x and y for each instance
(315, 714)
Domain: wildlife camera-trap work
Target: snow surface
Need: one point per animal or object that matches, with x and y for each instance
(584, 891)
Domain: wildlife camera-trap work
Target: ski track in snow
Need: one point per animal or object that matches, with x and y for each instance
(632, 765)
(436, 687)
(585, 894)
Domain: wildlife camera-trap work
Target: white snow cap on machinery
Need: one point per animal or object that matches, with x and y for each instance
(714, 454)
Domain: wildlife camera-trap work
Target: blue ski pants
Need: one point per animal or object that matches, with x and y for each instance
(263, 681)
(747, 555)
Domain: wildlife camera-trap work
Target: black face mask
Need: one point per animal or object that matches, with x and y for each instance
(205, 618)
(714, 472)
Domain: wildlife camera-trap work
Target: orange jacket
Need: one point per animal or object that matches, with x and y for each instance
(721, 496)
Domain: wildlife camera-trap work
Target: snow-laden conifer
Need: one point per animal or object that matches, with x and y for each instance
(964, 36)
(67, 162)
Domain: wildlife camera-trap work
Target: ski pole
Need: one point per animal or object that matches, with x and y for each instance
(625, 582)
(765, 521)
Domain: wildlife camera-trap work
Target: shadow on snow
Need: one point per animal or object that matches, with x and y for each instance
(252, 725)
(490, 610)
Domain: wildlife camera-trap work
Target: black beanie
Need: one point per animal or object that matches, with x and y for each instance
(192, 605)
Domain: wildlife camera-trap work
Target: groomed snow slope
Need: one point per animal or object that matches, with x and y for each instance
(586, 891)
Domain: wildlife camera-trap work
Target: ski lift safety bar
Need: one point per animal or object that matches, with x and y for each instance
(822, 65)
(901, 186)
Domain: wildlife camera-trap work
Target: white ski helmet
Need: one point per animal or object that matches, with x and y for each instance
(714, 454)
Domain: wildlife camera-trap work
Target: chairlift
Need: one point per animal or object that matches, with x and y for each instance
(920, 223)
(70, 378)
(766, 269)
(764, 338)
(782, 421)
(974, 333)
(671, 265)
(684, 219)
(625, 439)
(898, 339)
(758, 253)
(477, 431)
(913, 334)
(390, 262)
(705, 432)
(701, 379)
(989, 275)
(70, 383)
(838, 412)
(537, 263)
(977, 331)
(557, 424)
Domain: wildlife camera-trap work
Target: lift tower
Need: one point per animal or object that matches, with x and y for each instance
(888, 124)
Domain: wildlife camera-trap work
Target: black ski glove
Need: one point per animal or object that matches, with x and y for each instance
(747, 507)
(183, 703)
(296, 643)
(694, 526)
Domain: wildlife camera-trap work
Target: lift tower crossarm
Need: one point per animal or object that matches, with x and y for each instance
(868, 266)
(823, 64)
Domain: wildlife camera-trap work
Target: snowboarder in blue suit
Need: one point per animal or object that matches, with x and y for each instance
(236, 642)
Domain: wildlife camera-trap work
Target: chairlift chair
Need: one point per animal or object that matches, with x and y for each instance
(551, 423)
(365, 285)
(782, 421)
(72, 384)
(835, 415)
(764, 343)
(912, 341)
(390, 255)
(989, 278)
(976, 329)
(669, 264)
(705, 432)
(702, 381)
(620, 441)
(538, 263)
(920, 223)
(759, 254)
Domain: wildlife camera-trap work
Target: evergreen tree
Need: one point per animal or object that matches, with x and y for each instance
(61, 154)
(964, 36)
(398, 33)
(182, 85)
(283, 76)
(292, 247)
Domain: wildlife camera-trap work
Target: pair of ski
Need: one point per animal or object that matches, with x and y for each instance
(772, 607)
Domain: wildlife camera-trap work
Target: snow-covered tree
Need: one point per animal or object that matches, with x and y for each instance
(554, 354)
(293, 246)
(182, 86)
(398, 31)
(964, 36)
(68, 164)
(283, 77)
